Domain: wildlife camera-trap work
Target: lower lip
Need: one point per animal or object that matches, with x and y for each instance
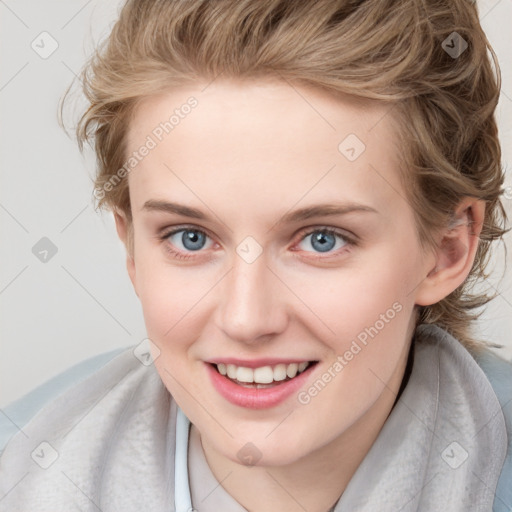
(254, 398)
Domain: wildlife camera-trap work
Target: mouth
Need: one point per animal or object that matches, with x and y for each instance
(262, 377)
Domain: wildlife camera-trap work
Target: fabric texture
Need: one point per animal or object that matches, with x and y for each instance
(108, 443)
(20, 412)
(499, 374)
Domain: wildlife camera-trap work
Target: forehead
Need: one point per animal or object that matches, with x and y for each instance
(267, 137)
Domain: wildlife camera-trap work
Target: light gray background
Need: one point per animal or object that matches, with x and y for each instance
(80, 302)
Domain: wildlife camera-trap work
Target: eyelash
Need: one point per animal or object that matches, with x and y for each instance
(349, 241)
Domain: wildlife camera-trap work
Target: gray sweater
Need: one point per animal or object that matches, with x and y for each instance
(108, 442)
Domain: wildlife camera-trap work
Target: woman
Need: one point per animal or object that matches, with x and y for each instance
(306, 192)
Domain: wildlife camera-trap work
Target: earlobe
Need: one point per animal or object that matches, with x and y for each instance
(124, 230)
(455, 253)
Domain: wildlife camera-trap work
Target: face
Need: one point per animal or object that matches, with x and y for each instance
(271, 233)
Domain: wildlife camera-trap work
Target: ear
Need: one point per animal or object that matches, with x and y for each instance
(124, 229)
(455, 253)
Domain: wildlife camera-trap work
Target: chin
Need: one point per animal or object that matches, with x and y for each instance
(263, 453)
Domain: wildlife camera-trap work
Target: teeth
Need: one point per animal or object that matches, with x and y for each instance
(292, 370)
(244, 374)
(263, 374)
(280, 372)
(231, 369)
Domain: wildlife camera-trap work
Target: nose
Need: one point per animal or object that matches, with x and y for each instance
(252, 303)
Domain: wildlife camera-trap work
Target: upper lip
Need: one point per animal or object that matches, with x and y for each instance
(257, 363)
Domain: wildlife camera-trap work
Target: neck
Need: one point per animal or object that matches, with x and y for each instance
(314, 482)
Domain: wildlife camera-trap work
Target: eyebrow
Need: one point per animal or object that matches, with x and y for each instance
(324, 210)
(180, 209)
(320, 210)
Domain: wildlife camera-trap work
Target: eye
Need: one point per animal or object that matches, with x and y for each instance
(181, 243)
(188, 239)
(323, 240)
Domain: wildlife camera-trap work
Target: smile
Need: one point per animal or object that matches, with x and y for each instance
(258, 385)
(264, 376)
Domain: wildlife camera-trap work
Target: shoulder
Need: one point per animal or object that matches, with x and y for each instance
(499, 373)
(497, 370)
(495, 377)
(106, 424)
(18, 413)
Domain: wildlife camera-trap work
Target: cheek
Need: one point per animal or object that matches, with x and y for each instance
(371, 323)
(171, 296)
(348, 301)
(368, 312)
(173, 304)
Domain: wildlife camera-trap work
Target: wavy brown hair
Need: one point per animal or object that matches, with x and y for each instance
(390, 50)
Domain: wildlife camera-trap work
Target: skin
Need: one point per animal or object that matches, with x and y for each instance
(248, 154)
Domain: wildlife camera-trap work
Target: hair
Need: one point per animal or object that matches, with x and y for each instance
(395, 51)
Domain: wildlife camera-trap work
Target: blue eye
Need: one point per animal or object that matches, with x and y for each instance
(323, 240)
(183, 242)
(190, 239)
